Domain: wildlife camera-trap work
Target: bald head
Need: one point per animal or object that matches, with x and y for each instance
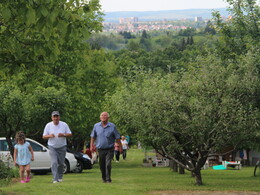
(104, 116)
(104, 113)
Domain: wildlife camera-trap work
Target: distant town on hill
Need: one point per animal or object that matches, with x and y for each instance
(187, 14)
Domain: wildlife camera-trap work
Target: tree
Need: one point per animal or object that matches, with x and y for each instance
(144, 34)
(35, 32)
(187, 32)
(213, 104)
(132, 45)
(209, 29)
(187, 117)
(126, 35)
(21, 111)
(111, 41)
(145, 44)
(241, 32)
(191, 40)
(182, 44)
(145, 41)
(41, 44)
(93, 79)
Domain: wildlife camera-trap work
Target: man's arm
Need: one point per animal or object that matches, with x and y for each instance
(48, 136)
(64, 134)
(120, 145)
(92, 141)
(67, 130)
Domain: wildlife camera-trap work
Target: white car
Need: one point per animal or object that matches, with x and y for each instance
(42, 162)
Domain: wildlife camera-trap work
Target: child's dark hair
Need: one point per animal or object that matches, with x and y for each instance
(20, 136)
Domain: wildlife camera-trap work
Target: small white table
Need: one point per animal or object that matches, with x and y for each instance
(237, 164)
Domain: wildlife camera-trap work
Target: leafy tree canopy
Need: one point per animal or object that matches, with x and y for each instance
(186, 117)
(34, 32)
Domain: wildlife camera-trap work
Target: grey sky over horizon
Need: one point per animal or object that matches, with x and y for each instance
(157, 5)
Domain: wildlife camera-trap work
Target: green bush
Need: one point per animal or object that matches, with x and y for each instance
(6, 173)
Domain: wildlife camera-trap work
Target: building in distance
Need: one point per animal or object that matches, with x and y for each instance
(198, 19)
(128, 20)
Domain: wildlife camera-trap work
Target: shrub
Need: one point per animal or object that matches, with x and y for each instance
(6, 173)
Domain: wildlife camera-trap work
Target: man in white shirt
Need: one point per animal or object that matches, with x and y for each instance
(56, 133)
(124, 146)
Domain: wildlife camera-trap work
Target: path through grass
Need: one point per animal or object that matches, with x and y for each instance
(129, 177)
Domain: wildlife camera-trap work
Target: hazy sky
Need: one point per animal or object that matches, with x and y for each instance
(154, 5)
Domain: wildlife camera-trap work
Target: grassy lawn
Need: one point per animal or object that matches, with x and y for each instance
(129, 177)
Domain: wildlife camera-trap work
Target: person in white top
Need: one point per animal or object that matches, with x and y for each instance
(56, 132)
(124, 146)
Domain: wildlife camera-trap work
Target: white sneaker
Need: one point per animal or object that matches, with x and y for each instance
(59, 180)
(55, 182)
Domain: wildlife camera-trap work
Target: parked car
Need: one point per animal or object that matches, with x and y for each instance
(92, 155)
(84, 161)
(42, 161)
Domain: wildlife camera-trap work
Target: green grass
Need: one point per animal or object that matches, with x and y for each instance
(129, 177)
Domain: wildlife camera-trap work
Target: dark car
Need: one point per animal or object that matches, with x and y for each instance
(83, 161)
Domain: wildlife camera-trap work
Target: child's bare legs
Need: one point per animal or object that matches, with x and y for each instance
(28, 172)
(22, 169)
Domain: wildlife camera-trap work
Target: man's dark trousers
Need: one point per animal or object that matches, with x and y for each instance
(105, 158)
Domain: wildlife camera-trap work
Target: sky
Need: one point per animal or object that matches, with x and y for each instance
(157, 5)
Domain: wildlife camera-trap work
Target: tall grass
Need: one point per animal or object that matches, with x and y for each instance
(129, 177)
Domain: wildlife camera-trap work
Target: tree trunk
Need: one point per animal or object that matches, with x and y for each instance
(198, 178)
(181, 170)
(247, 160)
(173, 165)
(10, 146)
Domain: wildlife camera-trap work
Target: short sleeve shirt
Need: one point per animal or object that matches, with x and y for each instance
(124, 144)
(51, 128)
(23, 154)
(105, 136)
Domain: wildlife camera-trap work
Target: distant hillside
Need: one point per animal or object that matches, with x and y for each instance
(161, 15)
